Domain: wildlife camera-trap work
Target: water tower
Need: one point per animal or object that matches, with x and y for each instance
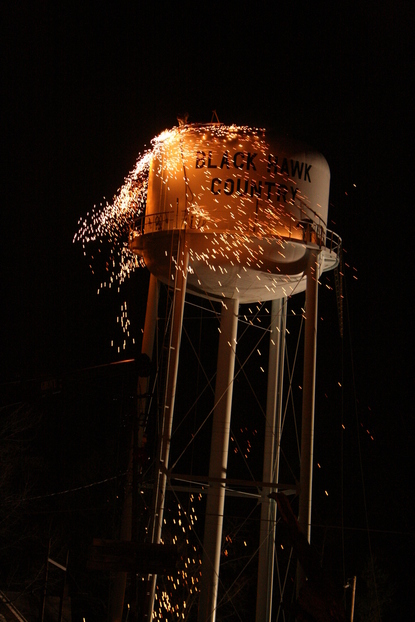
(236, 215)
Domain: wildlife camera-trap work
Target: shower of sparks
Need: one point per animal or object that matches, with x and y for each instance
(105, 233)
(231, 230)
(177, 593)
(111, 223)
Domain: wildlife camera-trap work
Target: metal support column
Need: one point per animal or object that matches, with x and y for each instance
(117, 589)
(271, 460)
(215, 501)
(170, 394)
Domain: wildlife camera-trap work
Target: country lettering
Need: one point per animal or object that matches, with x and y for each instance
(228, 186)
(215, 181)
(256, 188)
(282, 192)
(239, 188)
(269, 185)
(253, 188)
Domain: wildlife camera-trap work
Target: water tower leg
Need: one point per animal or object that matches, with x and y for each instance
(170, 394)
(215, 501)
(271, 460)
(309, 385)
(117, 588)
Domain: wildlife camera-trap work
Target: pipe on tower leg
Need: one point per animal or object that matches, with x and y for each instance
(309, 386)
(215, 501)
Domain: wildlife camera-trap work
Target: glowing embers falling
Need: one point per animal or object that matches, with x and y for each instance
(109, 224)
(125, 323)
(176, 593)
(244, 227)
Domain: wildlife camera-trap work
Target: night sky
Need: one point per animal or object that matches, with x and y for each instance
(86, 86)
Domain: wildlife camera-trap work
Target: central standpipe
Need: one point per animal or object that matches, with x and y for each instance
(218, 461)
(271, 460)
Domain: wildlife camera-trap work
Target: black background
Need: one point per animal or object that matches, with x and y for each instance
(85, 88)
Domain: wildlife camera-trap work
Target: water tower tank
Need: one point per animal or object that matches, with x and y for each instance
(252, 205)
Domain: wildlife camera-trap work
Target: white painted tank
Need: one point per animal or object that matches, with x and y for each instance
(252, 206)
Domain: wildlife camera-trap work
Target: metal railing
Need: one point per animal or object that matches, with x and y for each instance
(312, 232)
(333, 242)
(165, 221)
